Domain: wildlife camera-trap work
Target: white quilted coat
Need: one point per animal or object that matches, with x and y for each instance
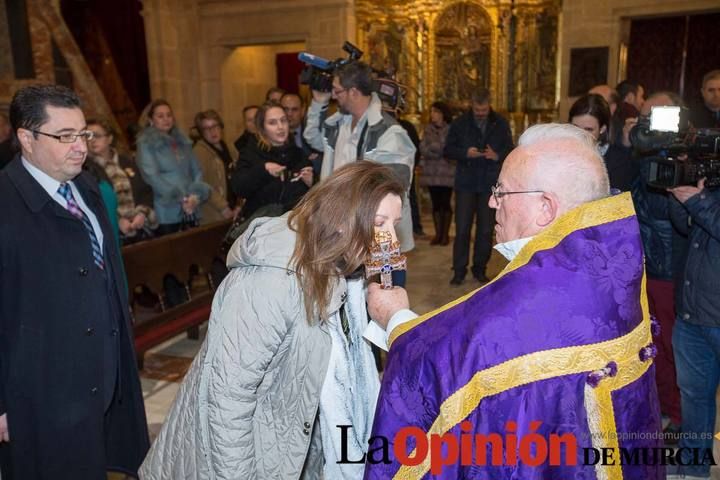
(248, 406)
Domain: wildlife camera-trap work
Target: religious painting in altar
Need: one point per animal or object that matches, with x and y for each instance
(462, 51)
(447, 49)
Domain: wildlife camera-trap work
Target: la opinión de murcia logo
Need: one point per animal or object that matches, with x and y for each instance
(531, 449)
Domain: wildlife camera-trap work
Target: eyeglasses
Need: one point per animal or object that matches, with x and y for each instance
(497, 194)
(212, 127)
(86, 135)
(338, 91)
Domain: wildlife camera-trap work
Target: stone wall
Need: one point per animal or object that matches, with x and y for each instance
(593, 23)
(190, 43)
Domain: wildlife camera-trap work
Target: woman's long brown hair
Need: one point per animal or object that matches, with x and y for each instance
(335, 228)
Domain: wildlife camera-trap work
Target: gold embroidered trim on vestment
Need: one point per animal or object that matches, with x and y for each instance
(587, 215)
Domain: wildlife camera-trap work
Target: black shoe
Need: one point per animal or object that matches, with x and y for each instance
(671, 434)
(481, 278)
(457, 280)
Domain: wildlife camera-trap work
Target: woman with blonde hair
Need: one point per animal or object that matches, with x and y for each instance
(215, 160)
(169, 166)
(284, 361)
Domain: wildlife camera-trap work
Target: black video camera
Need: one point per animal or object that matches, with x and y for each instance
(318, 72)
(666, 135)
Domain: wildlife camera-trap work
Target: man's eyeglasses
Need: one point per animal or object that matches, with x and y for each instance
(498, 194)
(86, 135)
(338, 91)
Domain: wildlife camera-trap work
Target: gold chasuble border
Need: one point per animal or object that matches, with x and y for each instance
(588, 215)
(624, 351)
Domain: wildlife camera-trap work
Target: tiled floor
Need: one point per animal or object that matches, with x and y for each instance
(428, 286)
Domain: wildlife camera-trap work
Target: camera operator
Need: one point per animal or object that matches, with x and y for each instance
(360, 130)
(695, 211)
(661, 244)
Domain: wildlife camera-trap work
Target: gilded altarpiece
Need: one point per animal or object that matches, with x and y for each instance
(445, 49)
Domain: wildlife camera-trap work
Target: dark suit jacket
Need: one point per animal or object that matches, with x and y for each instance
(52, 345)
(477, 175)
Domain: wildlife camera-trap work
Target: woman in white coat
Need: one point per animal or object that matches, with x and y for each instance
(284, 361)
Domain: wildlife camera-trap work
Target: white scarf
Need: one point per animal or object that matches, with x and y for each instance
(350, 389)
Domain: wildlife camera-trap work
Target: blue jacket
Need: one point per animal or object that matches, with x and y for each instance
(477, 174)
(697, 292)
(656, 229)
(171, 171)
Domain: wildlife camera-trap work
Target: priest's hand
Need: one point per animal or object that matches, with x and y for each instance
(383, 304)
(4, 434)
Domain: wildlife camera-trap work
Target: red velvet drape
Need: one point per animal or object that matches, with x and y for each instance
(656, 49)
(288, 71)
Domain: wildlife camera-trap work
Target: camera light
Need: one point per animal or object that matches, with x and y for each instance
(665, 119)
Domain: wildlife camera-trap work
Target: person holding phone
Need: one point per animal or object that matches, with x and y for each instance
(271, 170)
(478, 141)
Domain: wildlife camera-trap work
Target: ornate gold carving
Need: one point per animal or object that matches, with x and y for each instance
(443, 49)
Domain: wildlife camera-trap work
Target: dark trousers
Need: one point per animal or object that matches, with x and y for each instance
(471, 206)
(414, 209)
(440, 198)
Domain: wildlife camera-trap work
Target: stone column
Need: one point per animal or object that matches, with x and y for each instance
(171, 34)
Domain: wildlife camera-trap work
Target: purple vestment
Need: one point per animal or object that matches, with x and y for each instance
(561, 336)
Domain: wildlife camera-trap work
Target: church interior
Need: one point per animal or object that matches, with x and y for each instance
(535, 57)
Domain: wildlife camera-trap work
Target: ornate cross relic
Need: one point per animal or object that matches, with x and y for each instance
(385, 257)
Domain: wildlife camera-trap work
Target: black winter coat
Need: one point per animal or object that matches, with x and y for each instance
(623, 168)
(656, 230)
(477, 174)
(51, 347)
(252, 181)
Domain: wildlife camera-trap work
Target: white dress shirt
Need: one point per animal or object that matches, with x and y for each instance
(50, 185)
(347, 140)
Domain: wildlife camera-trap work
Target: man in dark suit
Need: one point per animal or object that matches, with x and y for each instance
(70, 399)
(479, 140)
(294, 107)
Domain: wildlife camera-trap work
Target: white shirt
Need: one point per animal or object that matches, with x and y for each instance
(50, 185)
(374, 333)
(347, 141)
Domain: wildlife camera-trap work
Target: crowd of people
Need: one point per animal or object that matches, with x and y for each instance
(607, 314)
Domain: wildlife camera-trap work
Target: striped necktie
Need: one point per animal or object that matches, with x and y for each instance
(77, 212)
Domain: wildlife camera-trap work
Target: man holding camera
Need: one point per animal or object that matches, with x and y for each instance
(360, 130)
(695, 211)
(661, 244)
(478, 141)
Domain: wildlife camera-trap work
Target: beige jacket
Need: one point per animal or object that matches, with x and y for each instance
(213, 171)
(247, 408)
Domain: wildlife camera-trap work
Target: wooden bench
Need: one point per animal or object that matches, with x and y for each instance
(147, 263)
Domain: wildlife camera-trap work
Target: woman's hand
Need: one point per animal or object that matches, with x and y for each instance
(274, 169)
(138, 221)
(125, 226)
(190, 203)
(306, 175)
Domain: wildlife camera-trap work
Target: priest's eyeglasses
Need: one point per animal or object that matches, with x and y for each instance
(86, 135)
(498, 194)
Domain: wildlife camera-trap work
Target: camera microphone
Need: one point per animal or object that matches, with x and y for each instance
(314, 60)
